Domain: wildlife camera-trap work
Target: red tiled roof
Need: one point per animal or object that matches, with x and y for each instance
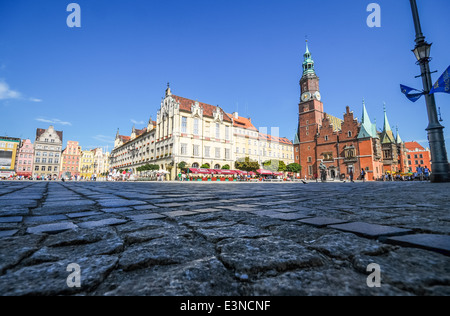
(243, 122)
(413, 145)
(185, 105)
(271, 138)
(41, 131)
(124, 138)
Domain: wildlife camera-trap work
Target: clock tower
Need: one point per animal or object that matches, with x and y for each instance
(310, 116)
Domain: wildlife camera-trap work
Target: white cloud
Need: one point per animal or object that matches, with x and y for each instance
(53, 121)
(104, 139)
(7, 93)
(137, 122)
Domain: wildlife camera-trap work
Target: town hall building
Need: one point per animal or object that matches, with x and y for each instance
(345, 146)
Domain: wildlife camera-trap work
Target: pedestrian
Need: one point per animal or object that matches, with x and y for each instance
(426, 172)
(351, 175)
(363, 175)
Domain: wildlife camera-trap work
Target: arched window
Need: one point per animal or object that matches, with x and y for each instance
(349, 134)
(216, 166)
(195, 165)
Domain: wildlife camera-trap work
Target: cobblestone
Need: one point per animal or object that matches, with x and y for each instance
(229, 239)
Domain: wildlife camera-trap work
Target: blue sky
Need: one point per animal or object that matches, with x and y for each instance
(244, 55)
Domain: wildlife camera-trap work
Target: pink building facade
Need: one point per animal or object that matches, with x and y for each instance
(25, 158)
(70, 160)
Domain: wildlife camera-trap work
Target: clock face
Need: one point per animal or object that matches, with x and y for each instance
(306, 96)
(317, 95)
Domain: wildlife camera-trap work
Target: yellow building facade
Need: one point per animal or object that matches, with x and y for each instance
(87, 164)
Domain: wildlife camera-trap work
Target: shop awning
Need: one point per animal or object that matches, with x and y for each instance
(223, 171)
(278, 174)
(264, 172)
(200, 170)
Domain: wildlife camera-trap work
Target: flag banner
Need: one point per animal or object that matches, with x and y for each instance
(443, 83)
(413, 97)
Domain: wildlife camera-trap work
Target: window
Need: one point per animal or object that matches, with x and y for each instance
(415, 156)
(237, 150)
(216, 166)
(309, 159)
(310, 170)
(349, 134)
(52, 140)
(227, 133)
(326, 137)
(195, 165)
(183, 124)
(196, 126)
(409, 162)
(50, 160)
(420, 156)
(44, 160)
(195, 149)
(217, 130)
(421, 162)
(43, 168)
(38, 160)
(36, 168)
(217, 152)
(227, 153)
(55, 169)
(183, 149)
(207, 151)
(249, 151)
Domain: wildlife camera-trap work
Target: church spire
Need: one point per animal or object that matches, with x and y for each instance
(388, 135)
(308, 62)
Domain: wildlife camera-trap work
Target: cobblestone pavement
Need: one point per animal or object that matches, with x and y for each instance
(224, 238)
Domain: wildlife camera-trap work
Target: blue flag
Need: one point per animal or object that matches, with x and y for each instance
(411, 96)
(443, 83)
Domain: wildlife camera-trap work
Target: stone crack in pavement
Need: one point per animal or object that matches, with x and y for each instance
(234, 239)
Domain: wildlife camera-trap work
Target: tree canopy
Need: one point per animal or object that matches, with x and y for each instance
(246, 165)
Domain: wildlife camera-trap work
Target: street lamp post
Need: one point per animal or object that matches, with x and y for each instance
(440, 167)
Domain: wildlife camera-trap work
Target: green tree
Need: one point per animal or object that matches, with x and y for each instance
(182, 165)
(205, 166)
(226, 167)
(293, 167)
(246, 165)
(274, 165)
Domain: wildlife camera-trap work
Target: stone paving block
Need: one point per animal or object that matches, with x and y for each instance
(145, 207)
(145, 216)
(82, 214)
(288, 216)
(116, 209)
(179, 213)
(103, 222)
(51, 228)
(370, 230)
(206, 210)
(171, 205)
(8, 233)
(439, 243)
(11, 219)
(322, 221)
(119, 202)
(44, 218)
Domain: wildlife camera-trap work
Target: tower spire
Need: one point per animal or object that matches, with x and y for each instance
(308, 62)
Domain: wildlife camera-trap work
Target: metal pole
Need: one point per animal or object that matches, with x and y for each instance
(440, 166)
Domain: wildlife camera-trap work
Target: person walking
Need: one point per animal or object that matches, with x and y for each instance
(351, 175)
(363, 175)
